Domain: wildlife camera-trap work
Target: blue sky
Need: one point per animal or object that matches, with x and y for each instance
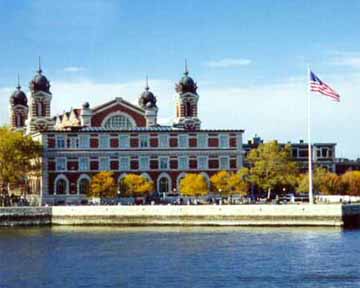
(248, 57)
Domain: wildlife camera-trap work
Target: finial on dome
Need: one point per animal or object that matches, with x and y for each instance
(186, 68)
(18, 85)
(147, 83)
(39, 71)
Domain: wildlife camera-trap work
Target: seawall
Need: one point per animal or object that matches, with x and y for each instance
(202, 215)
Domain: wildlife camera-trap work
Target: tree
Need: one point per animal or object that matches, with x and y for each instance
(19, 156)
(351, 183)
(194, 185)
(229, 183)
(325, 182)
(136, 185)
(103, 185)
(272, 166)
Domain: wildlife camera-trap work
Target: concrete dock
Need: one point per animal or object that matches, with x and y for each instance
(336, 215)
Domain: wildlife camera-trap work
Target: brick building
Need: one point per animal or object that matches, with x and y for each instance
(323, 153)
(121, 137)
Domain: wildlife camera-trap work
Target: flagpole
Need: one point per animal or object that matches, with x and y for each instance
(311, 196)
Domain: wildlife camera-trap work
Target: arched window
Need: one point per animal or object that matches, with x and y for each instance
(84, 186)
(19, 120)
(188, 109)
(164, 186)
(61, 186)
(40, 108)
(118, 122)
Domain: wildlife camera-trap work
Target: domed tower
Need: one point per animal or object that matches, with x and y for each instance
(187, 103)
(40, 103)
(147, 101)
(18, 109)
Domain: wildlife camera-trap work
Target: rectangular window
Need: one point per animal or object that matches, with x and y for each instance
(144, 141)
(202, 140)
(124, 163)
(104, 141)
(84, 164)
(104, 164)
(84, 141)
(163, 140)
(60, 164)
(124, 141)
(60, 141)
(183, 141)
(224, 163)
(144, 163)
(72, 142)
(224, 141)
(202, 162)
(183, 163)
(164, 163)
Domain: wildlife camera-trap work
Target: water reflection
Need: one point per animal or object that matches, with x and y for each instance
(68, 256)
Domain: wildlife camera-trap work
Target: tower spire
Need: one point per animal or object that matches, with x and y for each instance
(18, 80)
(186, 68)
(39, 65)
(147, 83)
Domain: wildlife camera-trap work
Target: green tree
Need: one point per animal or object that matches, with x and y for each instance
(103, 185)
(272, 166)
(19, 156)
(136, 185)
(194, 185)
(229, 183)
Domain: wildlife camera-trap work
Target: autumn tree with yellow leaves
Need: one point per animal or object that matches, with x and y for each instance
(194, 185)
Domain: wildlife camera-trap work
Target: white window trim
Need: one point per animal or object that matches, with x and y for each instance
(131, 119)
(59, 177)
(128, 163)
(56, 140)
(166, 175)
(187, 163)
(228, 162)
(88, 162)
(187, 141)
(87, 137)
(206, 140)
(227, 142)
(82, 176)
(107, 146)
(147, 140)
(206, 162)
(127, 146)
(168, 163)
(148, 163)
(56, 163)
(108, 166)
(167, 144)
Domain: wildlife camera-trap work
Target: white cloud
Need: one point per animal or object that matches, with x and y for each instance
(74, 69)
(228, 62)
(349, 59)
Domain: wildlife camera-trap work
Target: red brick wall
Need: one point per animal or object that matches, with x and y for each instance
(94, 143)
(233, 142)
(134, 142)
(94, 165)
(51, 142)
(173, 142)
(114, 143)
(72, 165)
(213, 164)
(213, 142)
(154, 142)
(192, 164)
(192, 142)
(173, 164)
(114, 165)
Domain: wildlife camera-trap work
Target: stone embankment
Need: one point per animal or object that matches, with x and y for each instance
(202, 215)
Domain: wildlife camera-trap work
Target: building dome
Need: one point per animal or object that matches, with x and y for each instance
(186, 84)
(40, 83)
(147, 98)
(18, 97)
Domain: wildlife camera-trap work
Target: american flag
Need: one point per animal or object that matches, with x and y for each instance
(316, 85)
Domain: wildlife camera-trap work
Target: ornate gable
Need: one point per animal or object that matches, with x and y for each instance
(102, 114)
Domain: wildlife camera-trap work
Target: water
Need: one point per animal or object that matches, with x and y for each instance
(68, 257)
